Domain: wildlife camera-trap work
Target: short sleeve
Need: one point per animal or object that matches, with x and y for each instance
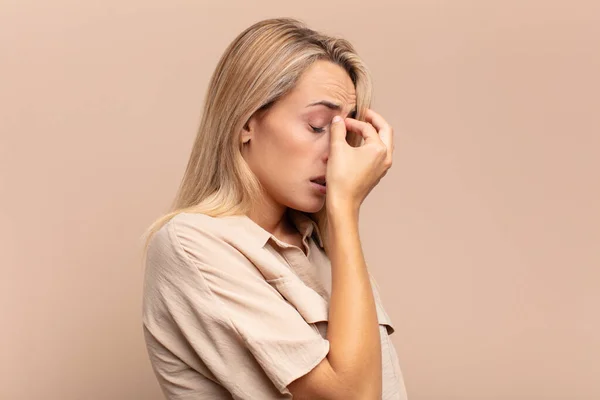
(201, 291)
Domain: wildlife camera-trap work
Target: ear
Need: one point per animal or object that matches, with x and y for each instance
(248, 130)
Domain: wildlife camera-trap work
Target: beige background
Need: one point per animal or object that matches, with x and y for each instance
(485, 236)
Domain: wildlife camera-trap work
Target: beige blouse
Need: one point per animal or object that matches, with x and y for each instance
(230, 311)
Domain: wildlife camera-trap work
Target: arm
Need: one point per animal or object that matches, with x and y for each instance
(352, 369)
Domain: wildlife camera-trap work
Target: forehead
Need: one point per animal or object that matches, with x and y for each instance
(325, 80)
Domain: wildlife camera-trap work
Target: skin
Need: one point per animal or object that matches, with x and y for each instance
(285, 153)
(284, 150)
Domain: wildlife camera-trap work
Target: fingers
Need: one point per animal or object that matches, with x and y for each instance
(374, 129)
(365, 129)
(386, 132)
(338, 129)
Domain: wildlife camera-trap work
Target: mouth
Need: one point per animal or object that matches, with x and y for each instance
(319, 181)
(319, 184)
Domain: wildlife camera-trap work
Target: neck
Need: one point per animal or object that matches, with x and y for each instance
(273, 218)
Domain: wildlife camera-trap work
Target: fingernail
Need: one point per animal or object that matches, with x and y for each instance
(337, 118)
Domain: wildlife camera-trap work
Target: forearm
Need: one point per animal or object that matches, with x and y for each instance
(353, 330)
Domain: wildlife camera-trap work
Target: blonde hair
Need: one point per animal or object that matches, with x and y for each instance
(261, 65)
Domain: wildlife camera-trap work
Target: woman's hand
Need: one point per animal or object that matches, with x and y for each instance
(352, 172)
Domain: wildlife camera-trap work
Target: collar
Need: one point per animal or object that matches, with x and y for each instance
(303, 223)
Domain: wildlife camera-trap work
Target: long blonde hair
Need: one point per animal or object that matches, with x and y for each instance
(261, 65)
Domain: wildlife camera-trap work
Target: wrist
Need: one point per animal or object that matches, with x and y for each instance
(342, 207)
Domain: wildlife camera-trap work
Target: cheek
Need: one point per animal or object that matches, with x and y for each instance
(292, 143)
(277, 158)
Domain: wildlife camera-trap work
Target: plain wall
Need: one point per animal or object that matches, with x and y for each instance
(484, 236)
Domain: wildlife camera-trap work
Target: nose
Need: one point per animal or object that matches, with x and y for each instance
(325, 155)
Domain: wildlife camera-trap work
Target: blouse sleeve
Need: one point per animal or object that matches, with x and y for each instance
(202, 296)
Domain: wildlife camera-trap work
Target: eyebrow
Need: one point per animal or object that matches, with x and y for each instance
(331, 106)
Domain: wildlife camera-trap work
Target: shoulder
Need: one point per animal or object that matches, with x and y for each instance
(191, 236)
(196, 226)
(195, 231)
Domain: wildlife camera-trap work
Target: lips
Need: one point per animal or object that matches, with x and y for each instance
(320, 180)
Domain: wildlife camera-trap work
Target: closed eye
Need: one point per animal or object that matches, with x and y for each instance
(317, 129)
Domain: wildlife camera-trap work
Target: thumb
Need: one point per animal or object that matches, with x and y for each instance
(338, 129)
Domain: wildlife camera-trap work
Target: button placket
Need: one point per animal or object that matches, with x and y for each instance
(303, 268)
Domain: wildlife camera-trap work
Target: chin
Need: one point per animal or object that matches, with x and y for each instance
(309, 206)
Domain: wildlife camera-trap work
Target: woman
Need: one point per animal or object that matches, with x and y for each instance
(256, 286)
